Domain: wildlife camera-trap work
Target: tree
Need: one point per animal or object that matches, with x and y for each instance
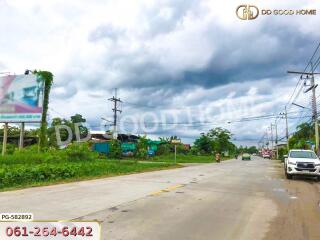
(47, 78)
(164, 139)
(303, 137)
(52, 131)
(203, 145)
(250, 150)
(75, 121)
(216, 140)
(220, 139)
(164, 148)
(12, 131)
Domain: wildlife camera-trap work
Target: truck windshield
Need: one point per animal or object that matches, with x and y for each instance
(303, 154)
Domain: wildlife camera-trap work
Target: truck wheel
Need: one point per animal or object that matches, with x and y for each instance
(289, 176)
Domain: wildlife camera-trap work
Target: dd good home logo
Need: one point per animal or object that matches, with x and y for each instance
(247, 12)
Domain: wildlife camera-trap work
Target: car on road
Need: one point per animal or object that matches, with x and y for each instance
(266, 155)
(302, 162)
(246, 156)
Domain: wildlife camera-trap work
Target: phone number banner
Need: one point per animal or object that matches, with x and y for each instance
(50, 230)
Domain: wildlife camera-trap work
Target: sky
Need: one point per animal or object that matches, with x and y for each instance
(181, 67)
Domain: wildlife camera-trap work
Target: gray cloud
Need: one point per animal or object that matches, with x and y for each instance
(162, 55)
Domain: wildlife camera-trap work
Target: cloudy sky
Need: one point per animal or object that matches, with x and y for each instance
(181, 66)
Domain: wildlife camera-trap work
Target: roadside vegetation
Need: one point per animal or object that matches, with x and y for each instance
(46, 163)
(187, 158)
(28, 167)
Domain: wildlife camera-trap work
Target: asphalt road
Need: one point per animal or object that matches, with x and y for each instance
(231, 200)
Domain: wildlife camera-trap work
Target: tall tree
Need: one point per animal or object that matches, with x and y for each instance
(47, 77)
(216, 140)
(303, 136)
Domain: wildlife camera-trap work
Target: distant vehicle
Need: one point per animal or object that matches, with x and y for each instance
(266, 153)
(246, 156)
(302, 162)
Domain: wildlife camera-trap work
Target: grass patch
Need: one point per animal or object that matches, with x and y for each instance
(185, 158)
(20, 175)
(29, 168)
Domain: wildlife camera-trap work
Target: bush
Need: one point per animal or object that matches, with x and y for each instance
(11, 148)
(18, 174)
(80, 152)
(164, 149)
(115, 149)
(29, 156)
(282, 152)
(181, 149)
(26, 175)
(142, 148)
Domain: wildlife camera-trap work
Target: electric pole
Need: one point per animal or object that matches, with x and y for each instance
(276, 141)
(287, 127)
(314, 102)
(314, 109)
(285, 114)
(115, 110)
(271, 137)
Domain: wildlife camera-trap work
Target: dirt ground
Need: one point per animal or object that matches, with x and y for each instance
(298, 209)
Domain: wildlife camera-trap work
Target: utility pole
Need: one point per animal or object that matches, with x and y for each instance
(276, 141)
(115, 110)
(314, 109)
(271, 137)
(287, 127)
(285, 115)
(314, 102)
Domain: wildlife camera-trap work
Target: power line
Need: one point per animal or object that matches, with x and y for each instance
(294, 95)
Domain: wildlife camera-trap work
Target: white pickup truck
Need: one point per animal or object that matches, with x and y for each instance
(302, 162)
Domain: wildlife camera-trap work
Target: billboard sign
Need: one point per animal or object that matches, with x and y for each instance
(21, 98)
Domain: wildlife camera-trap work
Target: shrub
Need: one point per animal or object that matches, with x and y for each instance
(79, 152)
(11, 148)
(164, 149)
(30, 156)
(21, 174)
(26, 175)
(142, 147)
(115, 149)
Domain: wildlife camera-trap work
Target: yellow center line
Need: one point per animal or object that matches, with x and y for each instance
(168, 189)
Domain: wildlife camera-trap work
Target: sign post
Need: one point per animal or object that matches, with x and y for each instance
(175, 142)
(5, 137)
(175, 153)
(21, 136)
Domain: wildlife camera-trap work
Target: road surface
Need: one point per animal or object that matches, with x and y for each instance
(231, 200)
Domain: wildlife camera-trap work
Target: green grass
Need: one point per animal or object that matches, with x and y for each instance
(185, 158)
(28, 168)
(21, 175)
